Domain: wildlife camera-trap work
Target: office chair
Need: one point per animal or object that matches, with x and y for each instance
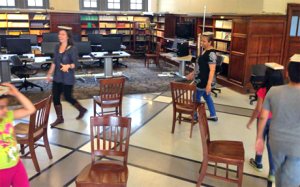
(257, 79)
(214, 89)
(22, 72)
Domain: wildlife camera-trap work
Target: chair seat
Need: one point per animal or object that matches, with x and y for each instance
(180, 108)
(22, 130)
(229, 151)
(103, 174)
(97, 99)
(150, 55)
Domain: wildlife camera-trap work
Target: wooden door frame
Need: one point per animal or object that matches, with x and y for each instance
(290, 8)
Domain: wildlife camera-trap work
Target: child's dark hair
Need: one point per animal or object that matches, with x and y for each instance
(294, 72)
(272, 78)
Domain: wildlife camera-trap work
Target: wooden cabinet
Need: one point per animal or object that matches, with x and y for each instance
(255, 40)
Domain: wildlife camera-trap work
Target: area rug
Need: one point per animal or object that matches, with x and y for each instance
(140, 80)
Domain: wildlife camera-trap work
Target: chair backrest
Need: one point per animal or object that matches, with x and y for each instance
(112, 136)
(183, 94)
(39, 120)
(111, 89)
(220, 60)
(204, 129)
(16, 61)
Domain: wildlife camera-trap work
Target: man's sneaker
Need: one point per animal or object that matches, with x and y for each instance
(271, 178)
(215, 118)
(255, 165)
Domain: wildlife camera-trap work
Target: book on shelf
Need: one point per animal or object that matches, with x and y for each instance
(18, 24)
(3, 24)
(16, 33)
(40, 17)
(3, 16)
(161, 19)
(113, 31)
(222, 46)
(141, 19)
(88, 18)
(107, 18)
(17, 16)
(107, 25)
(124, 18)
(38, 32)
(223, 24)
(223, 35)
(39, 25)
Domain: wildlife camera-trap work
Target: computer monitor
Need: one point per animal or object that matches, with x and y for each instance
(33, 38)
(95, 39)
(111, 44)
(3, 39)
(50, 37)
(183, 49)
(77, 37)
(83, 48)
(48, 48)
(18, 46)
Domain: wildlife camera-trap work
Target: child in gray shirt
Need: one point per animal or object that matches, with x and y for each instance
(284, 103)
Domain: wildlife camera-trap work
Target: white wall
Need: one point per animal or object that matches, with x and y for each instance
(277, 6)
(225, 6)
(213, 6)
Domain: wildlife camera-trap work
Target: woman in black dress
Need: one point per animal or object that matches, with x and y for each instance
(63, 70)
(204, 74)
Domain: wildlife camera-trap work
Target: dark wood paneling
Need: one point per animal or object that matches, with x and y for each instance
(236, 68)
(65, 19)
(170, 25)
(238, 50)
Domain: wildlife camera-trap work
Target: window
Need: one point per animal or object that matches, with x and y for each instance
(90, 3)
(35, 3)
(136, 4)
(113, 4)
(7, 3)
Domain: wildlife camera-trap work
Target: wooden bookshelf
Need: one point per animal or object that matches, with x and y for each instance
(141, 34)
(24, 23)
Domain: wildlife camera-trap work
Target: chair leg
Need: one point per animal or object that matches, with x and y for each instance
(22, 149)
(33, 156)
(192, 125)
(240, 175)
(95, 107)
(179, 118)
(120, 110)
(174, 122)
(202, 172)
(47, 145)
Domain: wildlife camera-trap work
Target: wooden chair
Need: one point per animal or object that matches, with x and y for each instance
(28, 134)
(112, 139)
(153, 56)
(184, 102)
(226, 152)
(111, 96)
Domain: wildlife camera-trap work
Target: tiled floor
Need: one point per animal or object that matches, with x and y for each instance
(156, 157)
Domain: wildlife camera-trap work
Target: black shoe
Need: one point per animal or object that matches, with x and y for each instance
(255, 165)
(215, 118)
